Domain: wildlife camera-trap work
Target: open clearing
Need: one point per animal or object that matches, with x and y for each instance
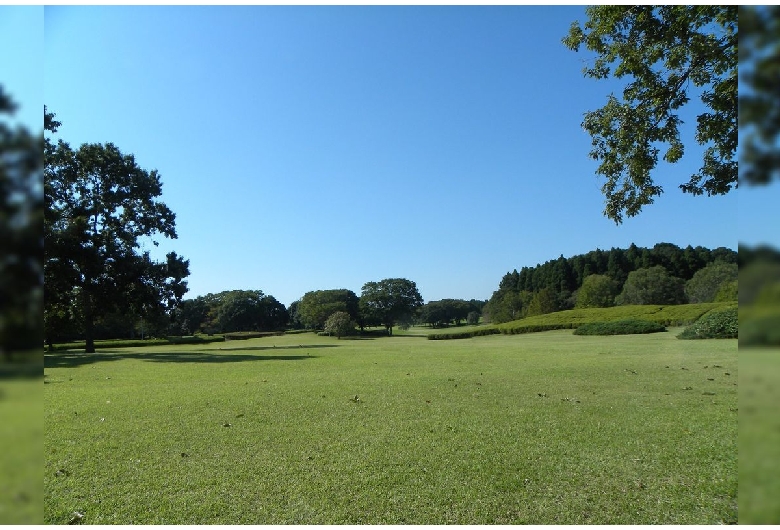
(538, 428)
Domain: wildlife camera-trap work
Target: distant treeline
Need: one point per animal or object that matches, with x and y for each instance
(555, 284)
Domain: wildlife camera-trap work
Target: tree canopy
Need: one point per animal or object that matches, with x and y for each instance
(708, 282)
(666, 53)
(315, 307)
(759, 82)
(98, 205)
(653, 285)
(21, 241)
(389, 302)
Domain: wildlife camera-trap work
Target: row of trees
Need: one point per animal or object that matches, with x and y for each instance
(664, 274)
(390, 302)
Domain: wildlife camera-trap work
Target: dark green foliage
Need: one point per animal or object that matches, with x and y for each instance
(723, 324)
(98, 204)
(315, 307)
(673, 315)
(598, 290)
(760, 329)
(728, 292)
(21, 242)
(620, 327)
(662, 52)
(389, 302)
(135, 343)
(244, 335)
(448, 311)
(464, 334)
(651, 286)
(564, 276)
(544, 301)
(707, 282)
(759, 107)
(249, 311)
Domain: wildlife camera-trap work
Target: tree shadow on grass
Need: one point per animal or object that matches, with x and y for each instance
(76, 359)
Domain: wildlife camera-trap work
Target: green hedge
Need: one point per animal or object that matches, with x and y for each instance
(620, 327)
(244, 335)
(464, 334)
(671, 315)
(723, 324)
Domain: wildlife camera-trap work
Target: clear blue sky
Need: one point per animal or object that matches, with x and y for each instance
(307, 148)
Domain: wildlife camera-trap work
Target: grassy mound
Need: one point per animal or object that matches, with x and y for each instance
(674, 315)
(759, 325)
(723, 324)
(620, 327)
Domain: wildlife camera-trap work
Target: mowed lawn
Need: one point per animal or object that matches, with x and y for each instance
(538, 428)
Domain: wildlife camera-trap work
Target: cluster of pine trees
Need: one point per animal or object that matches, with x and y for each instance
(555, 284)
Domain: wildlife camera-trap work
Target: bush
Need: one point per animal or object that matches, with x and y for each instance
(464, 334)
(620, 327)
(760, 330)
(339, 323)
(243, 335)
(723, 324)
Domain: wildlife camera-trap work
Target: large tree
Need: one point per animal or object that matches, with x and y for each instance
(21, 241)
(664, 53)
(651, 286)
(598, 290)
(315, 307)
(391, 301)
(98, 207)
(249, 311)
(707, 282)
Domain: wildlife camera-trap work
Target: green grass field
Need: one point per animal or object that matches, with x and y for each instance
(21, 437)
(537, 428)
(759, 436)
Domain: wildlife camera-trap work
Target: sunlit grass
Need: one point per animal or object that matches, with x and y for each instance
(759, 436)
(21, 439)
(541, 428)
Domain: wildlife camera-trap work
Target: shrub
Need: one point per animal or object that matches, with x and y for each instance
(620, 327)
(481, 332)
(243, 335)
(728, 292)
(760, 330)
(339, 323)
(723, 324)
(705, 285)
(652, 285)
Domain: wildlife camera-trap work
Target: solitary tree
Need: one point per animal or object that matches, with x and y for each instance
(707, 282)
(390, 301)
(316, 306)
(98, 205)
(664, 52)
(597, 290)
(249, 311)
(651, 286)
(339, 323)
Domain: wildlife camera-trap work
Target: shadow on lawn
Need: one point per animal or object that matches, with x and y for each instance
(75, 359)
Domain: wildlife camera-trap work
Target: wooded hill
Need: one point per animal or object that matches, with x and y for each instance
(556, 284)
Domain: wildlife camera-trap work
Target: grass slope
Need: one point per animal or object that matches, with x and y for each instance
(670, 315)
(541, 428)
